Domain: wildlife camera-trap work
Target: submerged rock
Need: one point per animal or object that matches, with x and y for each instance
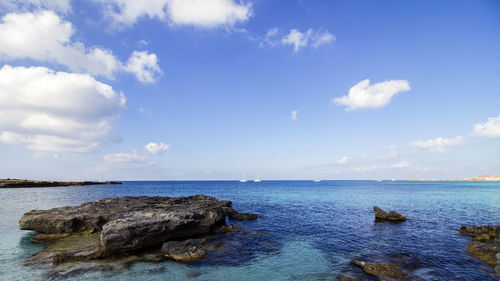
(392, 267)
(234, 215)
(392, 216)
(127, 224)
(486, 244)
(382, 270)
(189, 250)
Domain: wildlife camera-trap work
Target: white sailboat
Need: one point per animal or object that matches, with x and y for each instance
(317, 179)
(257, 179)
(243, 179)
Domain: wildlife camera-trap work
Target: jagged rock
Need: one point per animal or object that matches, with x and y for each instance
(234, 215)
(391, 216)
(130, 223)
(189, 250)
(486, 244)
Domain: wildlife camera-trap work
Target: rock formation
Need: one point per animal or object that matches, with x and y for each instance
(127, 224)
(391, 216)
(486, 244)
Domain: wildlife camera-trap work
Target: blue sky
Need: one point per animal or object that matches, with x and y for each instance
(191, 89)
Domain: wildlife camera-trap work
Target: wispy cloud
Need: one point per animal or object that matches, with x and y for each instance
(300, 40)
(438, 144)
(403, 164)
(343, 161)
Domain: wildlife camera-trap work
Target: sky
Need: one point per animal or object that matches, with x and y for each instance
(213, 89)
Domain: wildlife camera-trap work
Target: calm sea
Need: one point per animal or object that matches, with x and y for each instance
(308, 230)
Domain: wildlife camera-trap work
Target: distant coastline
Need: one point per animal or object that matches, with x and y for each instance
(494, 178)
(23, 183)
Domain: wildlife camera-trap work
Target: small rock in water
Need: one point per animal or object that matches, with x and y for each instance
(382, 270)
(189, 250)
(234, 215)
(392, 216)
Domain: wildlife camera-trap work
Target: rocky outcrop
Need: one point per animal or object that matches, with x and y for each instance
(486, 244)
(129, 223)
(392, 216)
(16, 183)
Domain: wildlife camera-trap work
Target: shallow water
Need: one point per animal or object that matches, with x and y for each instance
(313, 229)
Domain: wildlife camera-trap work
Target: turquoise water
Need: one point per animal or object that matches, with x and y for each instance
(313, 230)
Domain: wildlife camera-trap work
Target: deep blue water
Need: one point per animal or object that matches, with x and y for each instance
(313, 230)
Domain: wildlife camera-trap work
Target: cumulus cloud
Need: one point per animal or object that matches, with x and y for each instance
(363, 95)
(200, 13)
(53, 111)
(44, 36)
(61, 6)
(156, 148)
(300, 40)
(294, 115)
(489, 129)
(343, 161)
(403, 164)
(438, 144)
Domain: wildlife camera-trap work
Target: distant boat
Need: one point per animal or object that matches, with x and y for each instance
(257, 179)
(379, 180)
(393, 180)
(317, 179)
(243, 179)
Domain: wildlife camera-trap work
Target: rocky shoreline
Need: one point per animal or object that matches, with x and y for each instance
(19, 183)
(122, 226)
(194, 228)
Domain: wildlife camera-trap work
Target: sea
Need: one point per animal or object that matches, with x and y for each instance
(306, 231)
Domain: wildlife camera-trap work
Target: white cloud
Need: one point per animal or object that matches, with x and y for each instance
(144, 66)
(156, 148)
(301, 40)
(269, 38)
(44, 36)
(46, 110)
(125, 157)
(134, 159)
(343, 161)
(61, 6)
(489, 129)
(403, 164)
(363, 95)
(200, 13)
(294, 115)
(438, 144)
